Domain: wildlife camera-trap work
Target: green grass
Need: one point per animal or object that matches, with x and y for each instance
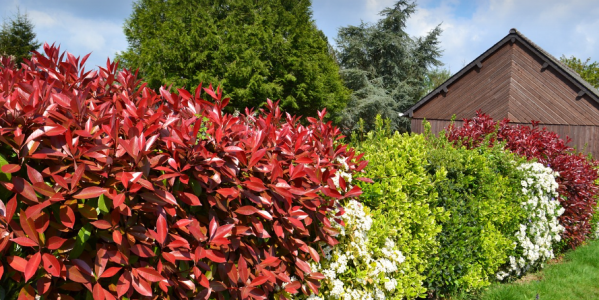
(576, 277)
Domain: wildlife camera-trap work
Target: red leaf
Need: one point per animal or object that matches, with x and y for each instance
(28, 226)
(17, 263)
(98, 292)
(270, 262)
(228, 192)
(222, 231)
(256, 157)
(67, 216)
(118, 200)
(33, 211)
(25, 242)
(34, 176)
(51, 264)
(142, 250)
(246, 210)
(89, 192)
(32, 265)
(123, 284)
(117, 237)
(259, 280)
(27, 293)
(150, 274)
(101, 224)
(243, 270)
(142, 286)
(215, 256)
(11, 208)
(110, 272)
(55, 242)
(293, 287)
(354, 192)
(161, 226)
(24, 188)
(10, 168)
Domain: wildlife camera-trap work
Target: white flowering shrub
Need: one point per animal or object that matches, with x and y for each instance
(356, 269)
(541, 229)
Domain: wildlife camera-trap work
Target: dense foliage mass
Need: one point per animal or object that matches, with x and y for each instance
(482, 194)
(385, 67)
(17, 38)
(255, 49)
(588, 70)
(402, 199)
(577, 174)
(113, 190)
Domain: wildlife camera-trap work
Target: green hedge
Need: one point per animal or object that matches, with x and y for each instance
(482, 193)
(402, 201)
(451, 211)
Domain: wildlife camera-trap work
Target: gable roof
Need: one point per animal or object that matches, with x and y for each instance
(515, 35)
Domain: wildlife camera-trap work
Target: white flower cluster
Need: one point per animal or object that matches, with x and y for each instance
(353, 271)
(342, 173)
(541, 229)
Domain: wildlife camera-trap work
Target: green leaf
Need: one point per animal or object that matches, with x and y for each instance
(82, 238)
(104, 204)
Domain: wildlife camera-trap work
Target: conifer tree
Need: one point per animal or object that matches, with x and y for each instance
(17, 38)
(385, 68)
(254, 49)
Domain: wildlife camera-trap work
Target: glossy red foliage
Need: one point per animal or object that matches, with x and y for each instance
(116, 190)
(577, 173)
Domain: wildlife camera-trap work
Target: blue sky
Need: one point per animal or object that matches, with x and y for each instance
(469, 27)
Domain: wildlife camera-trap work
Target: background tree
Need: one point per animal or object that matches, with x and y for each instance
(255, 49)
(17, 38)
(434, 78)
(587, 70)
(384, 67)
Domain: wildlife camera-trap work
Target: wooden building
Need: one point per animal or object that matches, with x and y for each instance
(518, 80)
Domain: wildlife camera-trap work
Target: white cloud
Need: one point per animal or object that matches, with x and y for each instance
(558, 27)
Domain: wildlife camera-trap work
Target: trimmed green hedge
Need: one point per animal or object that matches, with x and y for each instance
(482, 193)
(402, 200)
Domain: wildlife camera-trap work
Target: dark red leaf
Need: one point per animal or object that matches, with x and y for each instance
(11, 168)
(32, 265)
(17, 263)
(25, 242)
(89, 192)
(142, 250)
(51, 264)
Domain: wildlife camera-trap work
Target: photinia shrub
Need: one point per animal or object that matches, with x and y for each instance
(577, 181)
(111, 190)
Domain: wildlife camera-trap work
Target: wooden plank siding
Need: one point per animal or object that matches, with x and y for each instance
(545, 94)
(585, 138)
(486, 88)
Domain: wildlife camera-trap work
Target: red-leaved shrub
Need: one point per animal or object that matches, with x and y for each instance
(577, 187)
(111, 189)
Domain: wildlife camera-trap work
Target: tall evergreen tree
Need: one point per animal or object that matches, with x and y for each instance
(17, 38)
(385, 67)
(255, 49)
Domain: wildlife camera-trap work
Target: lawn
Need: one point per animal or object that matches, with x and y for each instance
(576, 277)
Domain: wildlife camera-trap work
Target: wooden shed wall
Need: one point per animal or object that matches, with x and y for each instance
(584, 138)
(486, 88)
(544, 94)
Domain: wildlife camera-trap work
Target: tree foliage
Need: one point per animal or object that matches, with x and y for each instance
(434, 78)
(384, 67)
(17, 38)
(587, 70)
(255, 49)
